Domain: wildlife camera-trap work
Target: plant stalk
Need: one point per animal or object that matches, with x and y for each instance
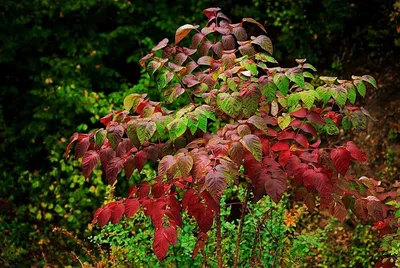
(238, 239)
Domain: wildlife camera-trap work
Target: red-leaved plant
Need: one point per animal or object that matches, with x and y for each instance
(271, 120)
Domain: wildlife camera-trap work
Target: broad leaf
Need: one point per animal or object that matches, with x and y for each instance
(341, 159)
(253, 144)
(89, 162)
(183, 31)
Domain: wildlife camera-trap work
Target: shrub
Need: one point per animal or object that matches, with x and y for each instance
(269, 123)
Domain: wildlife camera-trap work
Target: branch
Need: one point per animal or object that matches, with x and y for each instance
(219, 240)
(244, 207)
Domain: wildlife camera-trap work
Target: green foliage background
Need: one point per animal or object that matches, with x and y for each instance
(65, 64)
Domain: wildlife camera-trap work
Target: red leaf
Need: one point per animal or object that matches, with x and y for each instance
(170, 233)
(284, 158)
(355, 153)
(338, 210)
(360, 207)
(144, 190)
(117, 212)
(275, 189)
(315, 118)
(140, 159)
(286, 135)
(104, 217)
(163, 43)
(105, 156)
(107, 119)
(129, 166)
(89, 162)
(323, 184)
(73, 138)
(205, 219)
(211, 12)
(183, 31)
(113, 168)
(175, 208)
(341, 159)
(302, 140)
(280, 146)
(131, 207)
(309, 129)
(301, 113)
(160, 244)
(81, 147)
(215, 183)
(376, 210)
(255, 22)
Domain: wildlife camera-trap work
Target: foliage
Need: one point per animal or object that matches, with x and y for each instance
(269, 138)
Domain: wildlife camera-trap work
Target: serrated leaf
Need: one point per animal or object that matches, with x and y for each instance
(296, 75)
(177, 127)
(250, 104)
(293, 99)
(229, 104)
(185, 164)
(269, 91)
(308, 98)
(282, 82)
(324, 93)
(275, 188)
(253, 144)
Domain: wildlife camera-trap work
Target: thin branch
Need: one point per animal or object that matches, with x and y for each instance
(219, 240)
(244, 207)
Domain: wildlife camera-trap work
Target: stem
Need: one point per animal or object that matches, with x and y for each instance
(244, 207)
(219, 240)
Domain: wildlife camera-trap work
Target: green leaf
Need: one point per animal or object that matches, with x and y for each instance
(177, 127)
(330, 127)
(131, 102)
(308, 98)
(202, 125)
(370, 79)
(360, 87)
(250, 66)
(265, 57)
(192, 125)
(282, 82)
(324, 93)
(253, 144)
(145, 130)
(309, 66)
(269, 91)
(100, 137)
(284, 121)
(346, 123)
(163, 78)
(293, 99)
(351, 92)
(131, 131)
(229, 104)
(250, 104)
(308, 75)
(296, 75)
(340, 95)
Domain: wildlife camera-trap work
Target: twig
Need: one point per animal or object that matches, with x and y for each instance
(244, 207)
